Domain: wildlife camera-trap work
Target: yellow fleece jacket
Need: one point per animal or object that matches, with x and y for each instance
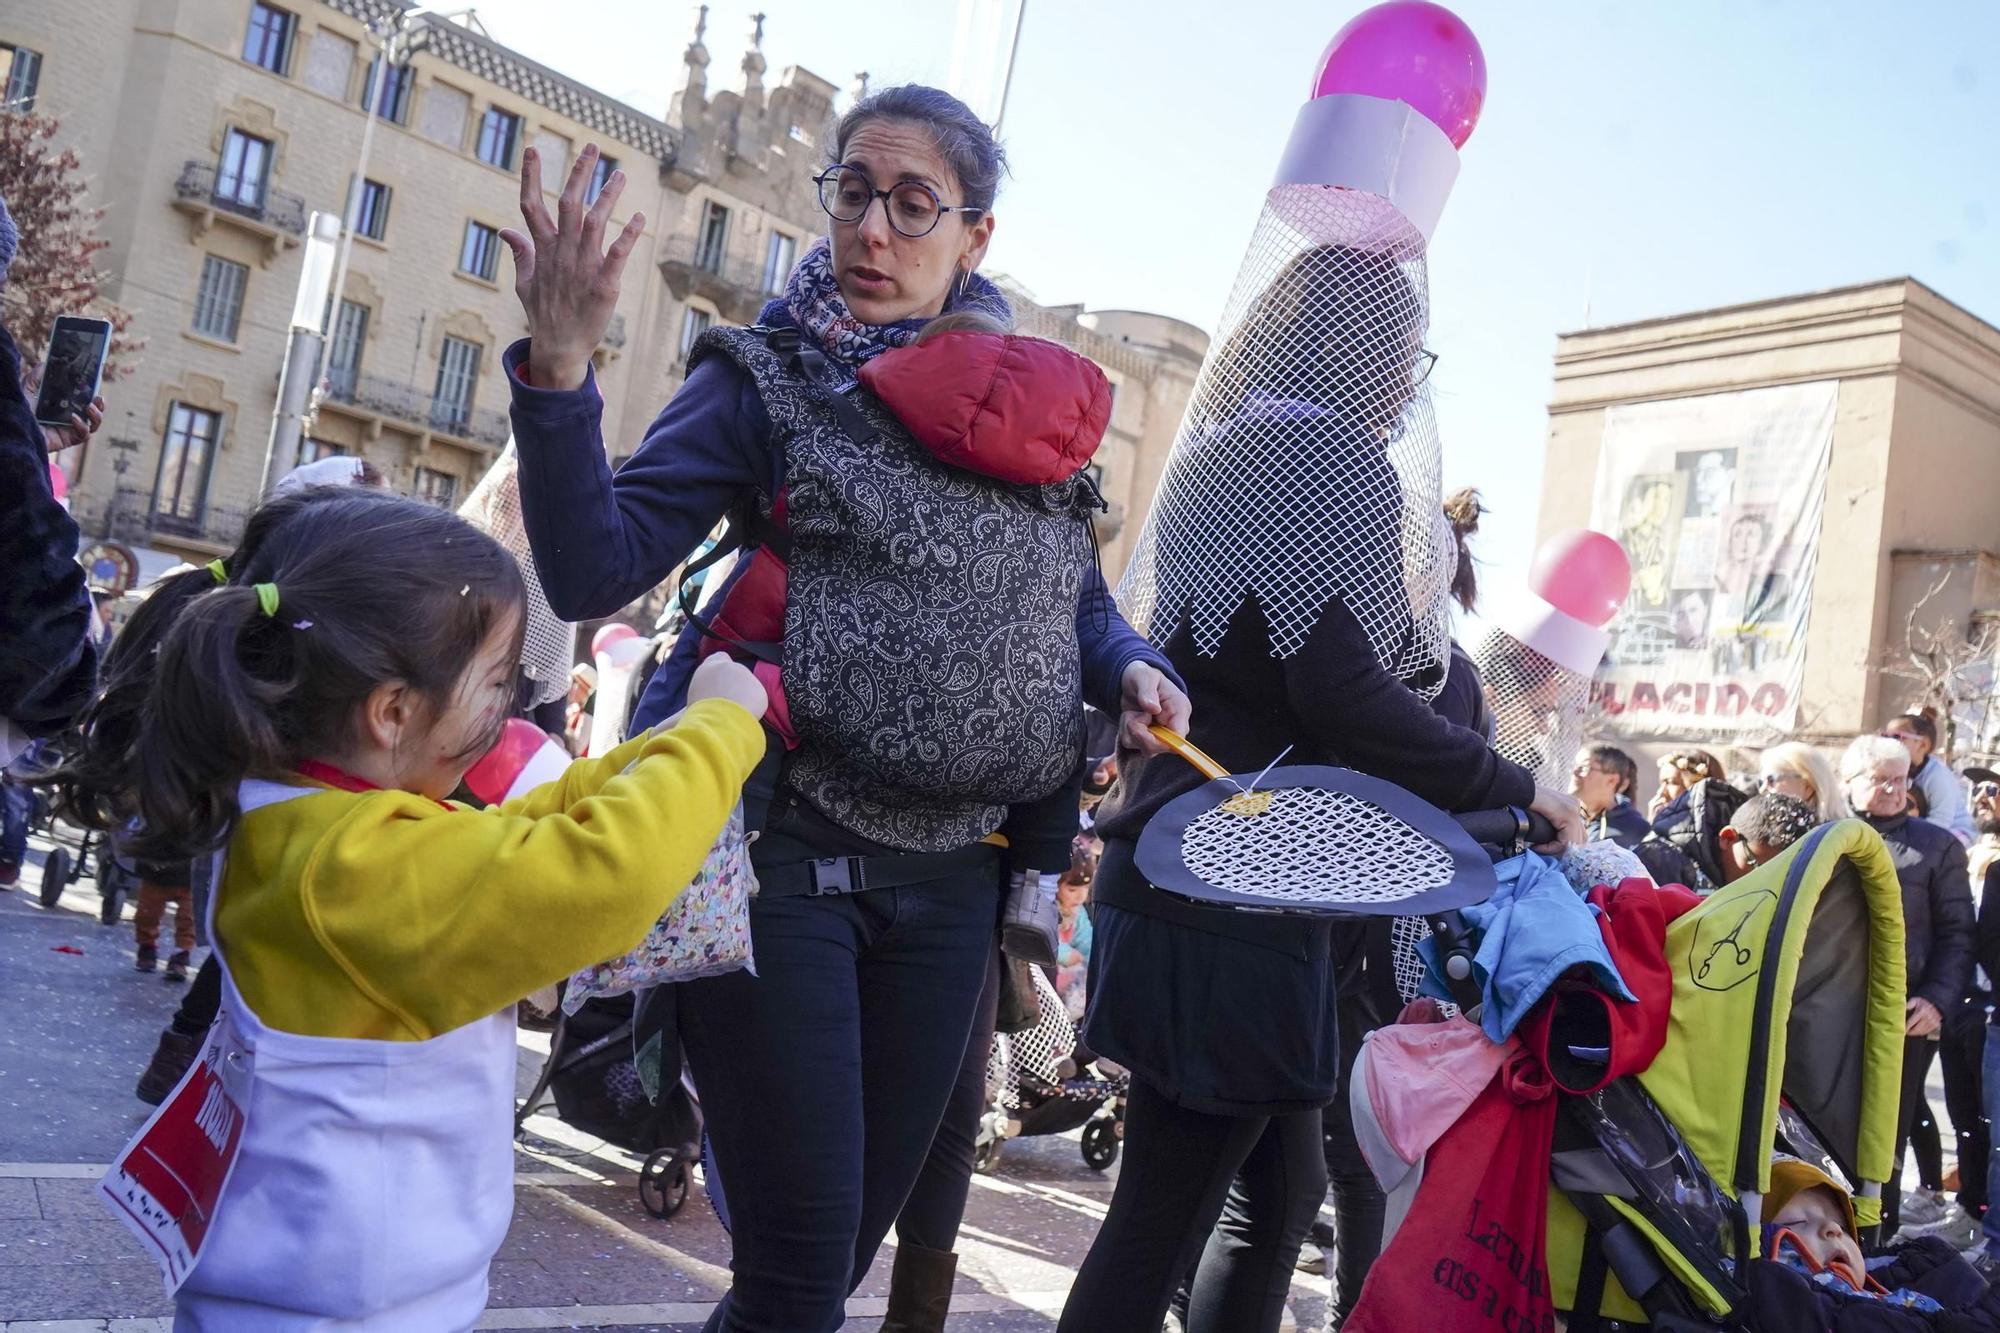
(387, 916)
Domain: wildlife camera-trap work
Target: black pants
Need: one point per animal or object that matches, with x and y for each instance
(1247, 1185)
(1358, 1209)
(1963, 1053)
(931, 1215)
(1918, 1052)
(203, 1000)
(824, 1078)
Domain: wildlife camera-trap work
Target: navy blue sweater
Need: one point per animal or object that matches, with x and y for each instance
(48, 664)
(601, 540)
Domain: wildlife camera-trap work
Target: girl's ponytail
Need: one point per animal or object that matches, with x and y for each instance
(211, 717)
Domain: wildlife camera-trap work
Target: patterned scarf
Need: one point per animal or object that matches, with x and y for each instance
(813, 301)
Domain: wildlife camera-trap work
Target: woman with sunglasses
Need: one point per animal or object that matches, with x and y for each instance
(936, 631)
(1801, 772)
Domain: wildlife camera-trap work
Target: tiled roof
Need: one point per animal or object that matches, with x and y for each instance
(470, 51)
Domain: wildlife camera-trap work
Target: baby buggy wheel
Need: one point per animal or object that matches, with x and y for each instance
(1100, 1144)
(664, 1182)
(56, 875)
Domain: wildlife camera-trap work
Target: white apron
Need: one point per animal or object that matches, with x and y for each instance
(375, 1181)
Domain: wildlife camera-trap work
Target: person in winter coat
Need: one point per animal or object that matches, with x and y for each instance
(1685, 845)
(1227, 1019)
(1681, 772)
(48, 662)
(1604, 779)
(930, 629)
(1938, 929)
(1943, 793)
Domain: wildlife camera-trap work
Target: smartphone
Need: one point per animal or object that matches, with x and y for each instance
(74, 367)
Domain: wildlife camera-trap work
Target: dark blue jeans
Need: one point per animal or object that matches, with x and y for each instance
(823, 1079)
(16, 803)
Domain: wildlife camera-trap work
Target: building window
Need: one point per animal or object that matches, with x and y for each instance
(693, 325)
(437, 488)
(218, 305)
(244, 171)
(343, 354)
(20, 75)
(600, 177)
(458, 377)
(392, 97)
(185, 459)
(269, 39)
(499, 131)
(371, 210)
(480, 254)
(712, 241)
(778, 261)
(325, 449)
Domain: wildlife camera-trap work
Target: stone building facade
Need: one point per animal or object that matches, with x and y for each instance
(1908, 537)
(211, 129)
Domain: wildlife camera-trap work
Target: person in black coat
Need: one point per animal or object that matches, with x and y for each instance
(1939, 935)
(1604, 779)
(47, 660)
(1227, 1019)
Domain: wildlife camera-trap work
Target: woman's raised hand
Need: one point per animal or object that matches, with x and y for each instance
(566, 279)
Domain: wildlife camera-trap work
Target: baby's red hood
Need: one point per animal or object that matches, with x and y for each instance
(1023, 410)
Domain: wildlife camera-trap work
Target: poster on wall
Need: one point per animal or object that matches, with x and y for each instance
(1717, 501)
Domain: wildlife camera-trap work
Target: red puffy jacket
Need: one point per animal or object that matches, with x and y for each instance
(1021, 410)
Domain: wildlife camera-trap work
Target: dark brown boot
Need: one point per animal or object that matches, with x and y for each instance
(919, 1290)
(171, 1059)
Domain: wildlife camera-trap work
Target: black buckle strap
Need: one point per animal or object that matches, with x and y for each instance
(834, 876)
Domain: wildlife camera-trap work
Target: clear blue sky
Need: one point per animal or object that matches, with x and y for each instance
(1634, 159)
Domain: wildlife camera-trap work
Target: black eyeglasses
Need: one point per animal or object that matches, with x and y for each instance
(911, 207)
(1426, 362)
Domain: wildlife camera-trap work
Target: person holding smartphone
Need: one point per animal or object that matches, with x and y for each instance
(47, 661)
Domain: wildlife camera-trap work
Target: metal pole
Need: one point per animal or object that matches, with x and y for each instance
(295, 385)
(372, 95)
(1013, 50)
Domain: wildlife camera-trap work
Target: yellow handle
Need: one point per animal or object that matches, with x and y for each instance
(1187, 750)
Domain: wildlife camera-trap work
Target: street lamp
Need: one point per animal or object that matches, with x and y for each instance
(302, 348)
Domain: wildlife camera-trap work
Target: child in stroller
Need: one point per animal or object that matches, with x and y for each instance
(1042, 1082)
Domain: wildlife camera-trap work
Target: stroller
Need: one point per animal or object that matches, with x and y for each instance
(593, 1072)
(1037, 1086)
(1785, 1034)
(90, 854)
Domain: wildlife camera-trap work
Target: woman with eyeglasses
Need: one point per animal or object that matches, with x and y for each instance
(935, 631)
(1801, 772)
(1938, 932)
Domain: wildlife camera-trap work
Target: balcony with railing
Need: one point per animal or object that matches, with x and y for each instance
(278, 216)
(382, 398)
(734, 283)
(131, 514)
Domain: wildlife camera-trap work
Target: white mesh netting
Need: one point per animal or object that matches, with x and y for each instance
(1539, 707)
(548, 648)
(1036, 1054)
(1317, 846)
(1307, 466)
(1405, 934)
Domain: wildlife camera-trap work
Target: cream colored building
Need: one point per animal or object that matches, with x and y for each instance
(1912, 485)
(210, 129)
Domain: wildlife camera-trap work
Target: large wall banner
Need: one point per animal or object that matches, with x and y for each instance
(1717, 500)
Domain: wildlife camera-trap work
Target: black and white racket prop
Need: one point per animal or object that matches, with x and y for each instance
(1310, 839)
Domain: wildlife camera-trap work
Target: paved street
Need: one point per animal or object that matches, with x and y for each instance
(583, 1253)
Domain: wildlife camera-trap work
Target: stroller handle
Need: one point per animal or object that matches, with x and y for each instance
(1507, 831)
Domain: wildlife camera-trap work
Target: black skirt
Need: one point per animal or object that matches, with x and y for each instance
(1224, 1012)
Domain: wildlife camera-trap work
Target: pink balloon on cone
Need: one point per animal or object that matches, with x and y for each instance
(1414, 52)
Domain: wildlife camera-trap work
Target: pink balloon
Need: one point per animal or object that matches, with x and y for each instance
(1414, 52)
(1582, 573)
(59, 483)
(491, 778)
(615, 632)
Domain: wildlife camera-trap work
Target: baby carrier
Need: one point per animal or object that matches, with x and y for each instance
(1785, 1033)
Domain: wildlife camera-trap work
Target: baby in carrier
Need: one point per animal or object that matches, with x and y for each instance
(1812, 1236)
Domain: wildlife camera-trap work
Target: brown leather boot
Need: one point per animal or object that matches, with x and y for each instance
(919, 1290)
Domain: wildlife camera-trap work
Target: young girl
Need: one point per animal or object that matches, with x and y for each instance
(1073, 949)
(305, 721)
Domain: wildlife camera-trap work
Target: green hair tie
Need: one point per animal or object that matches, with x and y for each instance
(267, 597)
(217, 568)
